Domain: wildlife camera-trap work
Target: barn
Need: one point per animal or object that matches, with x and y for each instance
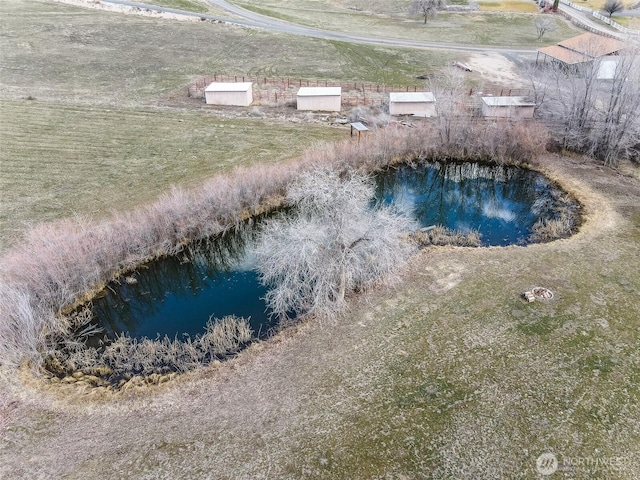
(507, 107)
(238, 94)
(422, 104)
(326, 99)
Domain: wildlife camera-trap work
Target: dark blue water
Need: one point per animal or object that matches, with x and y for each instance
(500, 202)
(176, 296)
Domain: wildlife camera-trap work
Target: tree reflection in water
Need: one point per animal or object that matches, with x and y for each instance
(176, 296)
(501, 202)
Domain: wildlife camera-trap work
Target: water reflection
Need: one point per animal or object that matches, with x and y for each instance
(177, 295)
(501, 202)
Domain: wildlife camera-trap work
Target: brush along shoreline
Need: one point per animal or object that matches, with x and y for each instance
(59, 266)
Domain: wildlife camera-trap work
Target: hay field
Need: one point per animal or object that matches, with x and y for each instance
(92, 111)
(59, 160)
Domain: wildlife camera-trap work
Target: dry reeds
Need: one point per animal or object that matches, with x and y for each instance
(57, 266)
(130, 356)
(440, 235)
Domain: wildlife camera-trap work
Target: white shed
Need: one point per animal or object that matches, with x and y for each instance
(422, 104)
(327, 99)
(507, 107)
(607, 67)
(229, 93)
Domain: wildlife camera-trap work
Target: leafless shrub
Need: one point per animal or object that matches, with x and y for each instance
(546, 230)
(592, 111)
(613, 6)
(59, 265)
(370, 116)
(426, 8)
(543, 25)
(560, 221)
(440, 235)
(130, 356)
(331, 245)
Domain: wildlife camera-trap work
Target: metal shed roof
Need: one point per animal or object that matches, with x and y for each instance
(228, 87)
(508, 102)
(411, 97)
(592, 44)
(319, 91)
(565, 55)
(359, 126)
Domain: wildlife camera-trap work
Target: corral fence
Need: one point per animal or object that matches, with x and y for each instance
(283, 91)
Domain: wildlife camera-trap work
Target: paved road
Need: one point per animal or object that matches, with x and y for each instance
(251, 19)
(586, 20)
(254, 20)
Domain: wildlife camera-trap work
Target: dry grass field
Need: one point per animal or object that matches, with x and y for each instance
(390, 19)
(598, 4)
(448, 374)
(59, 160)
(520, 6)
(86, 128)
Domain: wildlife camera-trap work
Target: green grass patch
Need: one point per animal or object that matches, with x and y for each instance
(509, 6)
(188, 5)
(543, 325)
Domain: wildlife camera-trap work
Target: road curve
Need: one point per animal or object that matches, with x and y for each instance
(255, 20)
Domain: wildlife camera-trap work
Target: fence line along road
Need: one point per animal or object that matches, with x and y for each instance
(266, 23)
(580, 15)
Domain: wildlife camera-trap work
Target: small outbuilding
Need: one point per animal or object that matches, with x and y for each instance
(507, 107)
(326, 99)
(582, 49)
(421, 104)
(238, 94)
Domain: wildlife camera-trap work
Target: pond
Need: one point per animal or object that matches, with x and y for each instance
(501, 202)
(176, 296)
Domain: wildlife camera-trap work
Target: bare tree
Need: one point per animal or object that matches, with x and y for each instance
(613, 6)
(449, 91)
(333, 243)
(426, 8)
(593, 107)
(543, 25)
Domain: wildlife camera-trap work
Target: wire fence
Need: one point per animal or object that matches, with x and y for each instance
(283, 91)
